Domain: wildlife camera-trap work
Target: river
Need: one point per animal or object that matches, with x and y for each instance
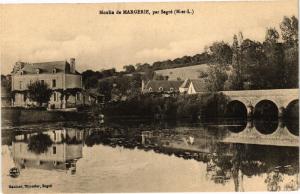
(151, 156)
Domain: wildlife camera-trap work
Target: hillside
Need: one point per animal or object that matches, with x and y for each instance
(191, 72)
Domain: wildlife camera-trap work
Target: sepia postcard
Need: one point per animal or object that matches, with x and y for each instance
(133, 97)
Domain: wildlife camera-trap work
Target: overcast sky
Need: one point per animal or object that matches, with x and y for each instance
(37, 33)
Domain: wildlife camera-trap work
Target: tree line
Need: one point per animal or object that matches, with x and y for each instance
(91, 77)
(250, 64)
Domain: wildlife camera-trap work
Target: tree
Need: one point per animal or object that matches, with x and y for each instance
(289, 30)
(39, 143)
(39, 92)
(149, 74)
(142, 67)
(221, 57)
(291, 62)
(235, 79)
(135, 85)
(273, 180)
(129, 68)
(272, 36)
(274, 53)
(216, 78)
(109, 72)
(221, 53)
(90, 78)
(253, 59)
(105, 87)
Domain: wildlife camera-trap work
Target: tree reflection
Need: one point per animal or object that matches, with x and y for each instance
(292, 185)
(39, 143)
(224, 161)
(251, 160)
(273, 180)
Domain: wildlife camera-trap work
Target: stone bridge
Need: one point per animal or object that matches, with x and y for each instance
(251, 100)
(280, 135)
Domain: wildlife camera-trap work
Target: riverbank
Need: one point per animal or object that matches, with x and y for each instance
(208, 105)
(25, 116)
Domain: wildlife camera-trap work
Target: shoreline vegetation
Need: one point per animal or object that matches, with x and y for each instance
(209, 105)
(18, 116)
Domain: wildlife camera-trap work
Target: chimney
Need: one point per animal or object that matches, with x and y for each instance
(72, 65)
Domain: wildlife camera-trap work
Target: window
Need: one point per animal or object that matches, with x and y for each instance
(21, 72)
(20, 84)
(54, 96)
(54, 149)
(53, 83)
(161, 89)
(42, 81)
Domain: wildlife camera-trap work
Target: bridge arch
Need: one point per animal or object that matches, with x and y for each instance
(266, 109)
(236, 109)
(293, 127)
(266, 127)
(292, 109)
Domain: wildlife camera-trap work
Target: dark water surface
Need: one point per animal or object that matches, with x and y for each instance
(148, 156)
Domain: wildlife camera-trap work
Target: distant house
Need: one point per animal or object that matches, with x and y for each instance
(164, 87)
(193, 86)
(183, 89)
(61, 77)
(196, 87)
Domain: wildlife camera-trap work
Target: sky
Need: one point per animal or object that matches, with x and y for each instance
(52, 32)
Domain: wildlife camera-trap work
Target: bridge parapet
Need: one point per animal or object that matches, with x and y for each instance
(265, 93)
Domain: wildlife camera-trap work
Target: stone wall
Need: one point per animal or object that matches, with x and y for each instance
(23, 116)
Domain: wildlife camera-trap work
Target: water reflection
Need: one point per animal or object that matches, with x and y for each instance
(293, 127)
(266, 126)
(268, 132)
(33, 150)
(233, 152)
(232, 161)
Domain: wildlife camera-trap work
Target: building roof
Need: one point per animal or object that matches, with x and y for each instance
(165, 84)
(44, 67)
(185, 84)
(199, 85)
